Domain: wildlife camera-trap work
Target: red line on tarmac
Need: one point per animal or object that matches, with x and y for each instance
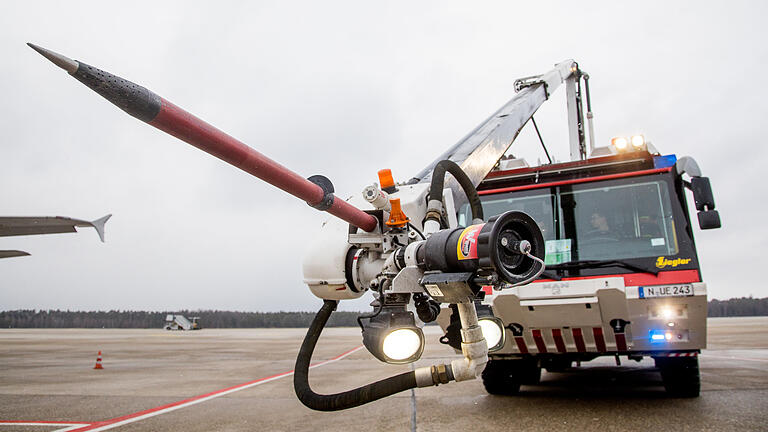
(45, 422)
(140, 415)
(68, 426)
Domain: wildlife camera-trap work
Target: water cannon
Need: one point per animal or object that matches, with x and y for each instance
(399, 241)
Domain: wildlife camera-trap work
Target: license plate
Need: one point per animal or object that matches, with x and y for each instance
(665, 291)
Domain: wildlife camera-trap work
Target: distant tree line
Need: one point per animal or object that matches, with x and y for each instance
(744, 306)
(30, 318)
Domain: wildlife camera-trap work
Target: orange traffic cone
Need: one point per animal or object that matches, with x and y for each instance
(98, 362)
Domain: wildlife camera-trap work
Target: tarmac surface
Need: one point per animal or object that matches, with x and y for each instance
(239, 379)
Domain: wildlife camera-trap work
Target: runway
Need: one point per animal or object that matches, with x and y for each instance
(240, 379)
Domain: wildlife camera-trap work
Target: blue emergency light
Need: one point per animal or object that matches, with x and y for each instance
(665, 161)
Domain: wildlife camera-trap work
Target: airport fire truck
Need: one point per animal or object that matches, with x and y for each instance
(622, 275)
(538, 266)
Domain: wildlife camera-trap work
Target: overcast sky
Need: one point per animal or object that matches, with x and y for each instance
(341, 89)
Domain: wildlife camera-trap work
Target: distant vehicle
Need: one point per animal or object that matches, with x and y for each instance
(30, 225)
(180, 322)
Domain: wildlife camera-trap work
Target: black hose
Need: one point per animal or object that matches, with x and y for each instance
(348, 399)
(438, 183)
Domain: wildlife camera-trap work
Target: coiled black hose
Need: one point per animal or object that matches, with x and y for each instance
(438, 183)
(348, 399)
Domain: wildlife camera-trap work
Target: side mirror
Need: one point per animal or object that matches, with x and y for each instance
(704, 200)
(709, 219)
(702, 193)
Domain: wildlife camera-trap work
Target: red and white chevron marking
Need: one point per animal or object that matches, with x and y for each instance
(565, 340)
(676, 354)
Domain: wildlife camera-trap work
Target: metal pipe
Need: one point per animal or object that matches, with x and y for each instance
(590, 116)
(150, 108)
(473, 345)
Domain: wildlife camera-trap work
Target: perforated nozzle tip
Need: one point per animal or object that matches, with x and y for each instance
(59, 60)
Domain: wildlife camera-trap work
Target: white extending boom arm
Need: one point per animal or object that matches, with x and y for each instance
(479, 151)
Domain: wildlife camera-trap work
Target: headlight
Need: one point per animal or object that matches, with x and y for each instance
(661, 336)
(620, 143)
(493, 327)
(638, 141)
(402, 344)
(493, 332)
(392, 335)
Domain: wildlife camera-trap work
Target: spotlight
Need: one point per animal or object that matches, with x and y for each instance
(392, 335)
(493, 327)
(620, 143)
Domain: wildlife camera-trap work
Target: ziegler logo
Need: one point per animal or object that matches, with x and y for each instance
(662, 262)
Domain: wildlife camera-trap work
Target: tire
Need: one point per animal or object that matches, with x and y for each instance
(504, 377)
(557, 364)
(680, 376)
(498, 378)
(530, 371)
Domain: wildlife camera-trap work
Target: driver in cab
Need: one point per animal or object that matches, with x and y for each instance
(600, 230)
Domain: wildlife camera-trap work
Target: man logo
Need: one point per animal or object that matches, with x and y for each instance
(557, 288)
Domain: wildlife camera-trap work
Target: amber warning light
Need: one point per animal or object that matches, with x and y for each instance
(386, 181)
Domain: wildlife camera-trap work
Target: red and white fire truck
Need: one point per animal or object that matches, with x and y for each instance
(583, 259)
(622, 275)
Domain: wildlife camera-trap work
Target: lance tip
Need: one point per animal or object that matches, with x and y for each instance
(59, 60)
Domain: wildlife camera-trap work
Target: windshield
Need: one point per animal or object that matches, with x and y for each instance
(595, 221)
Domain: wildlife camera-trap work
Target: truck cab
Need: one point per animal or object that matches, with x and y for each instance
(622, 275)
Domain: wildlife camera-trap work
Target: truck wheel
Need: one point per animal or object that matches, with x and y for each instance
(530, 371)
(680, 375)
(556, 364)
(503, 377)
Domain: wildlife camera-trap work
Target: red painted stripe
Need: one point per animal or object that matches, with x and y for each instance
(557, 335)
(521, 346)
(621, 342)
(599, 339)
(539, 341)
(96, 425)
(574, 181)
(578, 338)
(46, 422)
(643, 279)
